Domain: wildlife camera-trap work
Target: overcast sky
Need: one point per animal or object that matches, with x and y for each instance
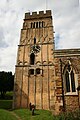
(66, 22)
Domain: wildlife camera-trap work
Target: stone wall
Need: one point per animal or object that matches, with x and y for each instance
(46, 90)
(73, 56)
(35, 88)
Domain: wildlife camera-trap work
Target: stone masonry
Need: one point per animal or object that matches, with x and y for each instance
(41, 70)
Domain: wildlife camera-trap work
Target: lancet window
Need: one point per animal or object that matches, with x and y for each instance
(69, 80)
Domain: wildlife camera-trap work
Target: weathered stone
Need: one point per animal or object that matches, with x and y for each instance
(39, 73)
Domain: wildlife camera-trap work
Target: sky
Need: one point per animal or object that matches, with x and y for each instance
(66, 22)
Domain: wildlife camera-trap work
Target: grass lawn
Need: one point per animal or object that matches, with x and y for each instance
(6, 103)
(26, 114)
(6, 115)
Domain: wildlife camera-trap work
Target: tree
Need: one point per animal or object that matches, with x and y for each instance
(6, 82)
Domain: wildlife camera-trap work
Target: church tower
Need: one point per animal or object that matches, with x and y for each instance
(34, 72)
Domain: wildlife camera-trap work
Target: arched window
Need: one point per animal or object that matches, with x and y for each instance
(32, 59)
(72, 81)
(69, 80)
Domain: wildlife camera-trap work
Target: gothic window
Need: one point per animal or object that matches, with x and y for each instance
(32, 59)
(69, 80)
(73, 81)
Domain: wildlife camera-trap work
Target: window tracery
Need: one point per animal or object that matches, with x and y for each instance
(69, 79)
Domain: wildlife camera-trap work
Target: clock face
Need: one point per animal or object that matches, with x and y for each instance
(35, 48)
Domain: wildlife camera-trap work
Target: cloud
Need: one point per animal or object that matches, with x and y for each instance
(2, 41)
(66, 17)
(7, 58)
(67, 25)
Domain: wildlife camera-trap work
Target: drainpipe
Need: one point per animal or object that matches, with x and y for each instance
(62, 85)
(78, 89)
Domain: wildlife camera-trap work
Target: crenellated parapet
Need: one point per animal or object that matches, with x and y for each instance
(39, 15)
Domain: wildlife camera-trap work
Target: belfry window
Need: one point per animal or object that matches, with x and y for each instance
(32, 59)
(36, 24)
(39, 24)
(69, 80)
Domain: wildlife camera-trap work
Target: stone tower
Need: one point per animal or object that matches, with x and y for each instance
(34, 72)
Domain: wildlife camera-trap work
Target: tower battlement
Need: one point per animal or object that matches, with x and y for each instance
(39, 15)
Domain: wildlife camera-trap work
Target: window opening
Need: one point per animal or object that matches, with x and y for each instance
(38, 71)
(39, 24)
(67, 82)
(31, 72)
(69, 68)
(32, 59)
(42, 24)
(70, 79)
(31, 25)
(34, 40)
(73, 82)
(36, 24)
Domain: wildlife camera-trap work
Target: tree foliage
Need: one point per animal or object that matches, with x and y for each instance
(6, 82)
